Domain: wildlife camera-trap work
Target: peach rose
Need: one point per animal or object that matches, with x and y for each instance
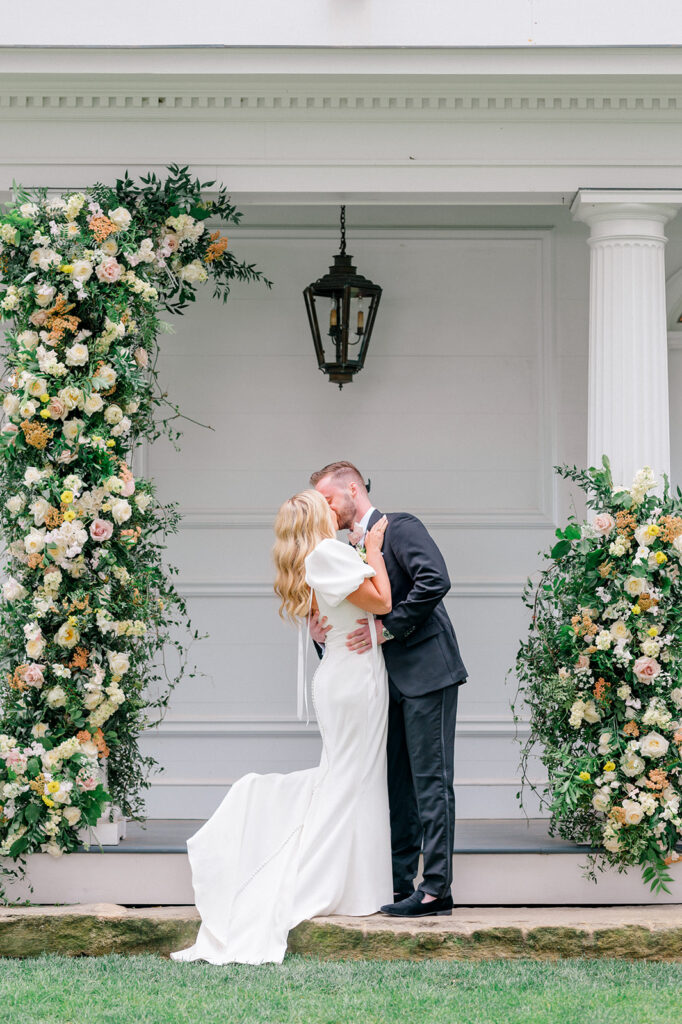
(141, 357)
(646, 669)
(582, 662)
(603, 524)
(101, 530)
(109, 270)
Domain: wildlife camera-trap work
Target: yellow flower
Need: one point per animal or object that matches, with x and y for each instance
(72, 620)
(44, 397)
(44, 413)
(66, 268)
(69, 515)
(67, 497)
(636, 610)
(46, 800)
(610, 766)
(585, 776)
(661, 558)
(52, 786)
(653, 630)
(653, 530)
(111, 443)
(96, 437)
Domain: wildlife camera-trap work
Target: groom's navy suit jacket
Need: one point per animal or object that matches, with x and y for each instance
(424, 654)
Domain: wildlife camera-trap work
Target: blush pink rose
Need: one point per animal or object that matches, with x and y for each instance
(33, 675)
(582, 662)
(128, 488)
(56, 409)
(101, 530)
(603, 524)
(87, 784)
(109, 270)
(646, 669)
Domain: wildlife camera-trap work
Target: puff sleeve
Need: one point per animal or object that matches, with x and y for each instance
(334, 570)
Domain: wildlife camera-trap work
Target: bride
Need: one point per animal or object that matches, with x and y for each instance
(284, 848)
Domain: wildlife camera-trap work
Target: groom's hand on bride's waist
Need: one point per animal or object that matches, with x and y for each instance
(360, 640)
(318, 628)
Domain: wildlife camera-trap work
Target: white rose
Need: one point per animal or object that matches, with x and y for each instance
(29, 210)
(15, 504)
(601, 801)
(35, 647)
(619, 631)
(92, 699)
(67, 635)
(677, 544)
(193, 273)
(590, 714)
(82, 271)
(72, 814)
(119, 662)
(34, 542)
(633, 812)
(93, 403)
(12, 590)
(643, 536)
(121, 428)
(676, 696)
(605, 741)
(29, 339)
(44, 294)
(72, 428)
(10, 404)
(653, 745)
(632, 764)
(634, 586)
(120, 217)
(56, 697)
(143, 502)
(105, 378)
(39, 509)
(113, 414)
(121, 510)
(28, 409)
(77, 355)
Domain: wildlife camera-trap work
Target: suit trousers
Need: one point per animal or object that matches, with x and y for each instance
(421, 754)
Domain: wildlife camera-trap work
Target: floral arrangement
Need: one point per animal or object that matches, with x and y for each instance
(87, 607)
(601, 674)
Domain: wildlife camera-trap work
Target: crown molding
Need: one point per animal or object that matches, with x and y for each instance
(287, 97)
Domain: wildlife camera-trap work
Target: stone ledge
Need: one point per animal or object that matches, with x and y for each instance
(542, 933)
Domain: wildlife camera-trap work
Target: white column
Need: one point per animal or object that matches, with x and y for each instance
(628, 352)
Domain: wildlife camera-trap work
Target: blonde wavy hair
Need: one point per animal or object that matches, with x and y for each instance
(301, 523)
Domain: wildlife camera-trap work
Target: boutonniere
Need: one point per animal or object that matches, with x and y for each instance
(360, 548)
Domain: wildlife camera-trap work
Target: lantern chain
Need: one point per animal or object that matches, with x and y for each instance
(343, 230)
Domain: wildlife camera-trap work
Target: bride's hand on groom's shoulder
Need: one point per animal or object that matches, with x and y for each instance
(318, 628)
(375, 536)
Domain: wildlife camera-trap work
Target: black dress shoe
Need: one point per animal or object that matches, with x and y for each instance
(414, 906)
(398, 897)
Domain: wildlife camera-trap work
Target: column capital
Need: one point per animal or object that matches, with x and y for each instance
(637, 213)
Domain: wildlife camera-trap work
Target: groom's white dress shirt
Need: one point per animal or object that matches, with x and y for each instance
(364, 523)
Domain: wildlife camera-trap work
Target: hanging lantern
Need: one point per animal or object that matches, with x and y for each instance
(342, 307)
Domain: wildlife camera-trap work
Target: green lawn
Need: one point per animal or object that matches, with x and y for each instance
(149, 990)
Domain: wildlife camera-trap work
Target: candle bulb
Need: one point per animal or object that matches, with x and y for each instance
(361, 321)
(332, 318)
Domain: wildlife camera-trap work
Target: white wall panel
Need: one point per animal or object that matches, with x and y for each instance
(453, 418)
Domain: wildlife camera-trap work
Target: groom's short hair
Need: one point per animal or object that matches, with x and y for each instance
(339, 471)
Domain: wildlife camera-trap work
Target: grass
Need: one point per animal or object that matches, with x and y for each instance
(150, 990)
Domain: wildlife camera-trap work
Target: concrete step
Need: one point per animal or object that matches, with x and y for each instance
(483, 933)
(496, 863)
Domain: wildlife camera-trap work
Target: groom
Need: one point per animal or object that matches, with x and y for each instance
(424, 673)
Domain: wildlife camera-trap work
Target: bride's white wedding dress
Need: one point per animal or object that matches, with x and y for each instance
(283, 848)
